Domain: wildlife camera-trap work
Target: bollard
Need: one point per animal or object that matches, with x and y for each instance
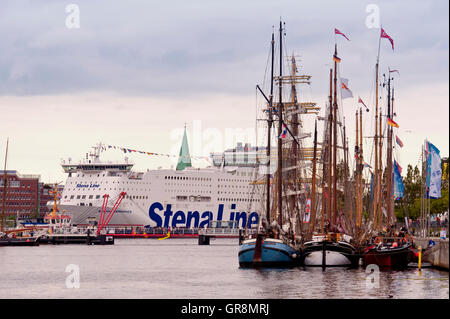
(203, 240)
(420, 258)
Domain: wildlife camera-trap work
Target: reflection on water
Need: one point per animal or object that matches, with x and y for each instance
(179, 268)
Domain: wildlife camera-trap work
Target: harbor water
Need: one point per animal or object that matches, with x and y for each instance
(180, 268)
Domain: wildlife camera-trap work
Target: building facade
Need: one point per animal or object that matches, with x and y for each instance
(25, 195)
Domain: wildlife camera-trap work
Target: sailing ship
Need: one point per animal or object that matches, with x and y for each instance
(331, 245)
(385, 250)
(278, 236)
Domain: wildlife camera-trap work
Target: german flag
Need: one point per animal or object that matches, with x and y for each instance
(391, 122)
(336, 58)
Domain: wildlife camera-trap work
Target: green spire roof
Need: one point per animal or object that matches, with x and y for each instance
(184, 159)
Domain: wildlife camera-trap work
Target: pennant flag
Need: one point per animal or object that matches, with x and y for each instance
(345, 91)
(390, 71)
(385, 35)
(336, 31)
(361, 101)
(391, 122)
(399, 142)
(283, 134)
(336, 58)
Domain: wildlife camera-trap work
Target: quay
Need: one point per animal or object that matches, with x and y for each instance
(437, 255)
(215, 229)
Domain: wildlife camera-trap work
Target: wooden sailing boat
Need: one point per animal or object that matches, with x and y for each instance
(274, 245)
(388, 252)
(330, 247)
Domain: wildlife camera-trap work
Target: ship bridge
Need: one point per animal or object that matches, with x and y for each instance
(94, 164)
(97, 167)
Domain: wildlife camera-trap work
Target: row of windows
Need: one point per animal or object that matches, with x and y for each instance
(185, 191)
(235, 180)
(20, 204)
(16, 191)
(188, 178)
(20, 197)
(98, 197)
(232, 186)
(237, 199)
(12, 183)
(106, 182)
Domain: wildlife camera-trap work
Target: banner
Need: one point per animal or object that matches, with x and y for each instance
(434, 171)
(399, 188)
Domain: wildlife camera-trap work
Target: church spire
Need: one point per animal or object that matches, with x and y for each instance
(184, 159)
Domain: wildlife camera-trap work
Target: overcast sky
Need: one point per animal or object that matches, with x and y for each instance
(135, 71)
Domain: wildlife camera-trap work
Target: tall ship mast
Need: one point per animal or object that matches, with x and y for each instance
(278, 240)
(331, 245)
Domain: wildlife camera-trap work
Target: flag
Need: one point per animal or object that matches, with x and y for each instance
(336, 58)
(399, 168)
(345, 91)
(399, 188)
(434, 171)
(307, 215)
(399, 142)
(361, 101)
(336, 31)
(390, 71)
(283, 134)
(391, 122)
(367, 165)
(385, 35)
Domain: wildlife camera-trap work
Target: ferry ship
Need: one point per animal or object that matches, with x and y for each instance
(186, 197)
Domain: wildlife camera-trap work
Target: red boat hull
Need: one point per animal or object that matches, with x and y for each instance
(394, 258)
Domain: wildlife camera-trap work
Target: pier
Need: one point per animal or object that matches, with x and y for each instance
(59, 239)
(438, 255)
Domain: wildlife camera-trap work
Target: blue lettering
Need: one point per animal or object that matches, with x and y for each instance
(178, 218)
(242, 216)
(153, 216)
(209, 216)
(220, 212)
(167, 215)
(191, 215)
(194, 219)
(252, 219)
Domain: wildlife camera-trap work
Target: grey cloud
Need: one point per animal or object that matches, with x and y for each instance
(179, 47)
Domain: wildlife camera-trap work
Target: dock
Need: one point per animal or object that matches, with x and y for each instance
(437, 255)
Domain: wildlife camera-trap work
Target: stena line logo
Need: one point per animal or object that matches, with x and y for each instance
(165, 217)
